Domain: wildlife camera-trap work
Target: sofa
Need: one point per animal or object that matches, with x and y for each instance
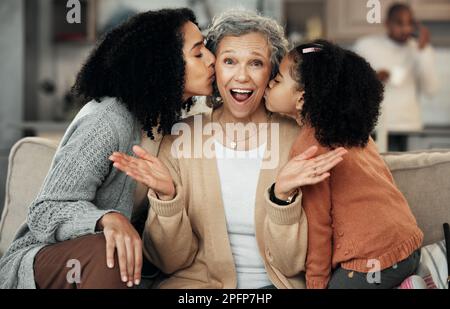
(423, 177)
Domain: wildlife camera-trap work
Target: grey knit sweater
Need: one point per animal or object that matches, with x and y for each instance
(79, 189)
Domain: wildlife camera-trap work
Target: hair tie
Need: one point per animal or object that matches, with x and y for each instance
(311, 50)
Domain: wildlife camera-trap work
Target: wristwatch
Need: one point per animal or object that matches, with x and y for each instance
(277, 201)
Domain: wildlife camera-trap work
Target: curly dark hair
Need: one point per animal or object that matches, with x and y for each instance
(141, 64)
(342, 93)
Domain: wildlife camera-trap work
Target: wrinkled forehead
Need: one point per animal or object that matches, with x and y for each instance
(253, 43)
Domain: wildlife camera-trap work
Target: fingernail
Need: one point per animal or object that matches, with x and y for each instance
(137, 282)
(110, 264)
(124, 278)
(129, 284)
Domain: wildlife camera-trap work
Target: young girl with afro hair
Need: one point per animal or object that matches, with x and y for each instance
(361, 232)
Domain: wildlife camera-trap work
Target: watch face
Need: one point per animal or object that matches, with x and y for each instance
(293, 196)
(276, 200)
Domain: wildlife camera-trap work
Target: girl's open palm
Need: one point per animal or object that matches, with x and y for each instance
(305, 169)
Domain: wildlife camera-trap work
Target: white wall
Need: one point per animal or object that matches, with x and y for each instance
(11, 70)
(11, 80)
(436, 110)
(47, 107)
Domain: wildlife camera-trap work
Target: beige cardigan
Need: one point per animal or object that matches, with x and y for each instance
(188, 239)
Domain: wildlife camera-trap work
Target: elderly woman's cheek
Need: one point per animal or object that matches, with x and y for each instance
(223, 77)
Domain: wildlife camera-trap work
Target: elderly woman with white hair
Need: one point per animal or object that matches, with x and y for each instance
(218, 223)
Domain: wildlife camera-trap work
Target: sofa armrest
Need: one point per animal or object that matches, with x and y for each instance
(29, 161)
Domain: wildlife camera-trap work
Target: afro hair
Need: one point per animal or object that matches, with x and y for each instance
(141, 63)
(342, 93)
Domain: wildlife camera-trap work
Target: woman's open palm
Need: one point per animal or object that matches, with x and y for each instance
(146, 169)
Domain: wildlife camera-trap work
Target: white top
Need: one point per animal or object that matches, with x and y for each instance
(412, 71)
(239, 175)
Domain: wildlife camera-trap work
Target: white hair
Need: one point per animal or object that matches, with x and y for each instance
(238, 22)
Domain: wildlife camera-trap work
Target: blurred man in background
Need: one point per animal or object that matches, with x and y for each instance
(405, 62)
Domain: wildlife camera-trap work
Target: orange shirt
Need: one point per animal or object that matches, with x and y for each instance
(355, 215)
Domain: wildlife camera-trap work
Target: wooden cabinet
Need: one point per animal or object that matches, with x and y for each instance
(347, 19)
(84, 32)
(416, 143)
(431, 10)
(430, 138)
(304, 19)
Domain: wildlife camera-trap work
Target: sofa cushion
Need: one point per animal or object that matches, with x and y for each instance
(424, 179)
(29, 162)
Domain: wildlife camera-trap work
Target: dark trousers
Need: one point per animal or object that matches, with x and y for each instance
(389, 278)
(56, 266)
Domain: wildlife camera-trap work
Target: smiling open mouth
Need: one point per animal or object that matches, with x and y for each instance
(241, 95)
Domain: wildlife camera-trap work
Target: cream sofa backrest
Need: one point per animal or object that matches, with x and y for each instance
(29, 162)
(424, 179)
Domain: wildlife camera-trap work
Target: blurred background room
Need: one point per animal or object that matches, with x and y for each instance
(41, 52)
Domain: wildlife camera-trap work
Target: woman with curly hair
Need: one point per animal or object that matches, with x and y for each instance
(361, 232)
(138, 79)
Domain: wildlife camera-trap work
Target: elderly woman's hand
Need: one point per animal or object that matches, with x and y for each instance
(148, 170)
(305, 170)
